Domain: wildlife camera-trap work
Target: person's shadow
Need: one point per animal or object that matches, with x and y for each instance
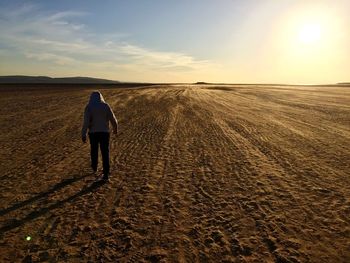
(14, 223)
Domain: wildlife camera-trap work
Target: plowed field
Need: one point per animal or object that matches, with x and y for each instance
(200, 173)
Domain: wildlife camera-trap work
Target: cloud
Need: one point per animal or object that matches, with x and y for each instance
(62, 46)
(61, 39)
(60, 15)
(60, 60)
(161, 59)
(19, 11)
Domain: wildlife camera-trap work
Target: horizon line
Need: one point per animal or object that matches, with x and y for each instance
(160, 83)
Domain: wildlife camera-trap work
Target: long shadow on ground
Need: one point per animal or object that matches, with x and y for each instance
(14, 223)
(55, 188)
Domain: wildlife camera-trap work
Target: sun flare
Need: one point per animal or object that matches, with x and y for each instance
(310, 33)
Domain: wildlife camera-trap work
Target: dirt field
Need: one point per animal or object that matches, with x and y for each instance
(200, 173)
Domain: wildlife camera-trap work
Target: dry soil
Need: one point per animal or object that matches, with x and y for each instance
(200, 173)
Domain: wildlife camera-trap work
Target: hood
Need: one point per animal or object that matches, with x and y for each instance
(96, 97)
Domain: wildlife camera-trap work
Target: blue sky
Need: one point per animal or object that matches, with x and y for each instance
(177, 41)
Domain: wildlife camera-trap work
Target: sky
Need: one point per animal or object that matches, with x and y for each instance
(226, 41)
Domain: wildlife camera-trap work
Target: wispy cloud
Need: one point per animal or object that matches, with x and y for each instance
(161, 59)
(65, 14)
(19, 11)
(57, 59)
(68, 47)
(61, 39)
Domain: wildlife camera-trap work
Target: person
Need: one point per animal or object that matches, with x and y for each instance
(97, 116)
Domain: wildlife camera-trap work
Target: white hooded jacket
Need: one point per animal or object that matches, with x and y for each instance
(97, 115)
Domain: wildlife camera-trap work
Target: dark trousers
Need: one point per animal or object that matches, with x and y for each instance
(100, 139)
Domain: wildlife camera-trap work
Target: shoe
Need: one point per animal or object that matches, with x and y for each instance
(105, 178)
(94, 169)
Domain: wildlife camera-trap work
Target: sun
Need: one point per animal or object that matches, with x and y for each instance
(310, 33)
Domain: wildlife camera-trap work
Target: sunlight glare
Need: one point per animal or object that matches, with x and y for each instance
(308, 41)
(310, 33)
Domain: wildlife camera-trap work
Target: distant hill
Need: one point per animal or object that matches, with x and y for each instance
(201, 82)
(344, 83)
(48, 80)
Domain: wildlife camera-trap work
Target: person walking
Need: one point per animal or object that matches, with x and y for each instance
(97, 116)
